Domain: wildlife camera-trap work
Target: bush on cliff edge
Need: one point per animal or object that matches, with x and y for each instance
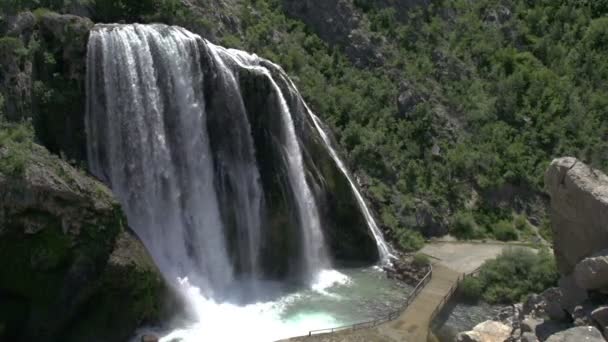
(512, 276)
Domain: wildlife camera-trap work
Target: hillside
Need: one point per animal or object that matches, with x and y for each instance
(447, 111)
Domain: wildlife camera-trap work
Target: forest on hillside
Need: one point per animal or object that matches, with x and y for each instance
(451, 128)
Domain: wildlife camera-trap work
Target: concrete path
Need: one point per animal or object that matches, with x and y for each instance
(462, 256)
(450, 260)
(412, 325)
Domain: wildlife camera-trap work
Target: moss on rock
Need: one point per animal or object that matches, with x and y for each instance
(69, 267)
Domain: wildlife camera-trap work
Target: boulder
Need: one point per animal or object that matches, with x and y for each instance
(582, 314)
(600, 316)
(592, 273)
(69, 266)
(572, 294)
(529, 325)
(579, 211)
(548, 328)
(529, 337)
(488, 331)
(469, 336)
(586, 334)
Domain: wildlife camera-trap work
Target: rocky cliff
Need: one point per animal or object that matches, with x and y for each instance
(577, 310)
(70, 269)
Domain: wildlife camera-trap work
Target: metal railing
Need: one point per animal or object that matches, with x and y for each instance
(391, 316)
(453, 289)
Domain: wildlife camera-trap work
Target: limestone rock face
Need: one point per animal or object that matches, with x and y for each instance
(579, 211)
(69, 266)
(592, 273)
(586, 334)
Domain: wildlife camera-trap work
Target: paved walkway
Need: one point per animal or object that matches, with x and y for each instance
(450, 261)
(412, 325)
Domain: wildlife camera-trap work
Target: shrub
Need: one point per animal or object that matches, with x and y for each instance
(504, 231)
(464, 226)
(421, 260)
(410, 240)
(18, 139)
(471, 289)
(515, 274)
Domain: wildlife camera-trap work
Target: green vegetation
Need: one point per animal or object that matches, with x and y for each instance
(522, 89)
(421, 260)
(15, 146)
(502, 87)
(513, 275)
(410, 240)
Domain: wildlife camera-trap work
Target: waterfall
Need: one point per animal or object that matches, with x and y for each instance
(146, 129)
(316, 258)
(213, 163)
(383, 248)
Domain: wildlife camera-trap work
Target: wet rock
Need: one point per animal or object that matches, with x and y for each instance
(586, 334)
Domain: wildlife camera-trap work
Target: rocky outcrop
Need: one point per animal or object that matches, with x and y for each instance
(577, 309)
(339, 23)
(488, 331)
(579, 211)
(69, 266)
(592, 273)
(587, 334)
(42, 72)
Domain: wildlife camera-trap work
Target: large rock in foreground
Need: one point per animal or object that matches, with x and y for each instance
(592, 273)
(488, 331)
(579, 211)
(582, 334)
(70, 270)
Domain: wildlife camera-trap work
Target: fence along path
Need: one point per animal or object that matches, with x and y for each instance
(410, 325)
(451, 262)
(391, 316)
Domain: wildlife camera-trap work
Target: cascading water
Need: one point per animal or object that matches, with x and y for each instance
(146, 137)
(216, 171)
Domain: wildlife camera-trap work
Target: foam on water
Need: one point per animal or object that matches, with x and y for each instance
(259, 322)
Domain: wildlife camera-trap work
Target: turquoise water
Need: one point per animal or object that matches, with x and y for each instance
(336, 298)
(458, 317)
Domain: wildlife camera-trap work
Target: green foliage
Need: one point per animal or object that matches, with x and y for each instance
(464, 226)
(471, 288)
(504, 231)
(421, 260)
(410, 240)
(11, 48)
(17, 140)
(513, 275)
